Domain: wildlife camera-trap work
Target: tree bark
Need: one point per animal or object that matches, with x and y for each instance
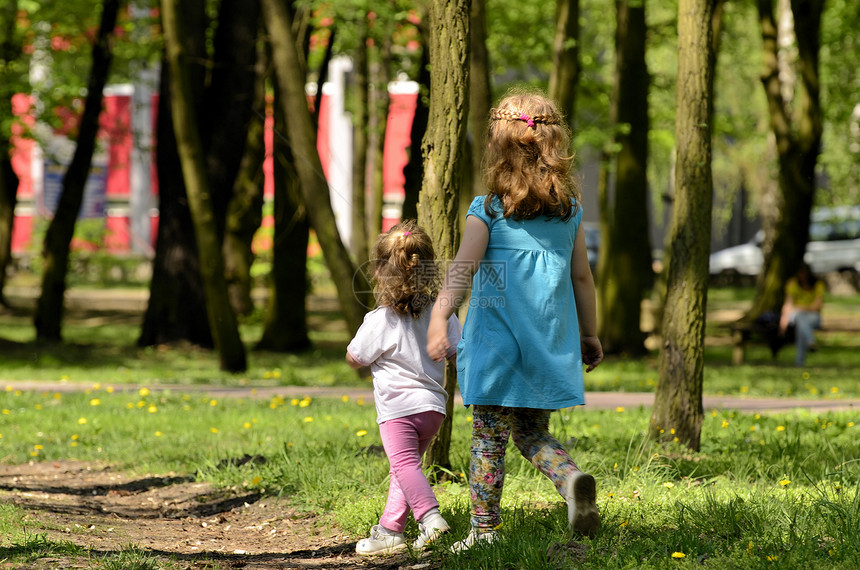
(480, 98)
(49, 309)
(625, 254)
(222, 319)
(245, 211)
(413, 172)
(442, 149)
(798, 144)
(285, 328)
(678, 410)
(9, 52)
(351, 285)
(176, 310)
(378, 123)
(360, 136)
(564, 78)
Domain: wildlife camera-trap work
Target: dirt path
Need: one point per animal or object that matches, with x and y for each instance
(173, 519)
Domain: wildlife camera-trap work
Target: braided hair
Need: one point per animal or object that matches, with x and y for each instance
(405, 276)
(528, 165)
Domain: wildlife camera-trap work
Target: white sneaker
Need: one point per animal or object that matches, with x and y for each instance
(474, 538)
(432, 527)
(582, 515)
(381, 541)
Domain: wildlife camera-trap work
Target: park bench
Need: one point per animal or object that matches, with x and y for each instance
(763, 330)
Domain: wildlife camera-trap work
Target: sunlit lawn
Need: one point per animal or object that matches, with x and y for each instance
(763, 489)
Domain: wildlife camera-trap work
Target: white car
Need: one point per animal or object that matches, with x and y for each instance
(834, 245)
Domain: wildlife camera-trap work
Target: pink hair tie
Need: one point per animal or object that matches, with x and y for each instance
(407, 234)
(528, 120)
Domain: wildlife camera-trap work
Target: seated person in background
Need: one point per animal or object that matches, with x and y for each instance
(804, 295)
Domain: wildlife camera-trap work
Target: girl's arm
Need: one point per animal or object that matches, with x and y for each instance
(586, 304)
(458, 278)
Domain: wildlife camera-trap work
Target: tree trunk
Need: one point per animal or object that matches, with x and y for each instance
(176, 310)
(413, 172)
(442, 149)
(245, 212)
(285, 328)
(49, 309)
(564, 78)
(9, 52)
(351, 285)
(797, 145)
(480, 97)
(359, 148)
(378, 124)
(625, 270)
(678, 411)
(222, 319)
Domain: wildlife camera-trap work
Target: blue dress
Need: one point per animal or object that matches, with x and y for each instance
(520, 346)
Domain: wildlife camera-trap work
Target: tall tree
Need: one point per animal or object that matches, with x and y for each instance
(285, 327)
(360, 141)
(413, 172)
(564, 77)
(378, 106)
(797, 129)
(442, 149)
(480, 97)
(221, 317)
(10, 50)
(352, 288)
(678, 411)
(624, 268)
(49, 309)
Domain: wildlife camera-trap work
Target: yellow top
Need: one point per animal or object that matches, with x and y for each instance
(803, 298)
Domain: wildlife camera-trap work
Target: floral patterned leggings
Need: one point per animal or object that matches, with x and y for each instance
(492, 426)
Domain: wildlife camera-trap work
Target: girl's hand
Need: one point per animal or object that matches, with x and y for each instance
(592, 352)
(437, 337)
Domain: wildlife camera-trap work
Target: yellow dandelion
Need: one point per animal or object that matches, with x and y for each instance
(58, 396)
(757, 416)
(780, 428)
(158, 434)
(676, 440)
(186, 407)
(38, 446)
(34, 454)
(213, 403)
(276, 374)
(75, 437)
(152, 409)
(18, 392)
(97, 386)
(294, 402)
(144, 392)
(109, 389)
(130, 405)
(623, 523)
(785, 482)
(744, 389)
(9, 388)
(305, 403)
(849, 424)
(141, 404)
(6, 412)
(619, 409)
(805, 375)
(344, 398)
(361, 433)
(267, 374)
(213, 430)
(309, 419)
(750, 547)
(82, 421)
(668, 484)
(753, 427)
(73, 444)
(64, 378)
(38, 406)
(672, 431)
(772, 558)
(714, 413)
(246, 425)
(678, 555)
(95, 402)
(615, 466)
(256, 480)
(725, 424)
(360, 401)
(834, 390)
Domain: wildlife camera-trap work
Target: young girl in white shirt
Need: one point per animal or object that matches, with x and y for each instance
(407, 382)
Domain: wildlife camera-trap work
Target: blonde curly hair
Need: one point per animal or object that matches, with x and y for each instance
(404, 275)
(528, 165)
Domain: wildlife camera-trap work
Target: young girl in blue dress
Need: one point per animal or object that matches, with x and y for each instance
(531, 321)
(407, 384)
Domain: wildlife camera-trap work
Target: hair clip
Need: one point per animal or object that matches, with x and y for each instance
(529, 121)
(407, 234)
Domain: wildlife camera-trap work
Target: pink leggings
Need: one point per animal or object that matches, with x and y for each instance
(405, 440)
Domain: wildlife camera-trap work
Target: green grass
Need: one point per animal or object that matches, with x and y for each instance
(776, 490)
(763, 489)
